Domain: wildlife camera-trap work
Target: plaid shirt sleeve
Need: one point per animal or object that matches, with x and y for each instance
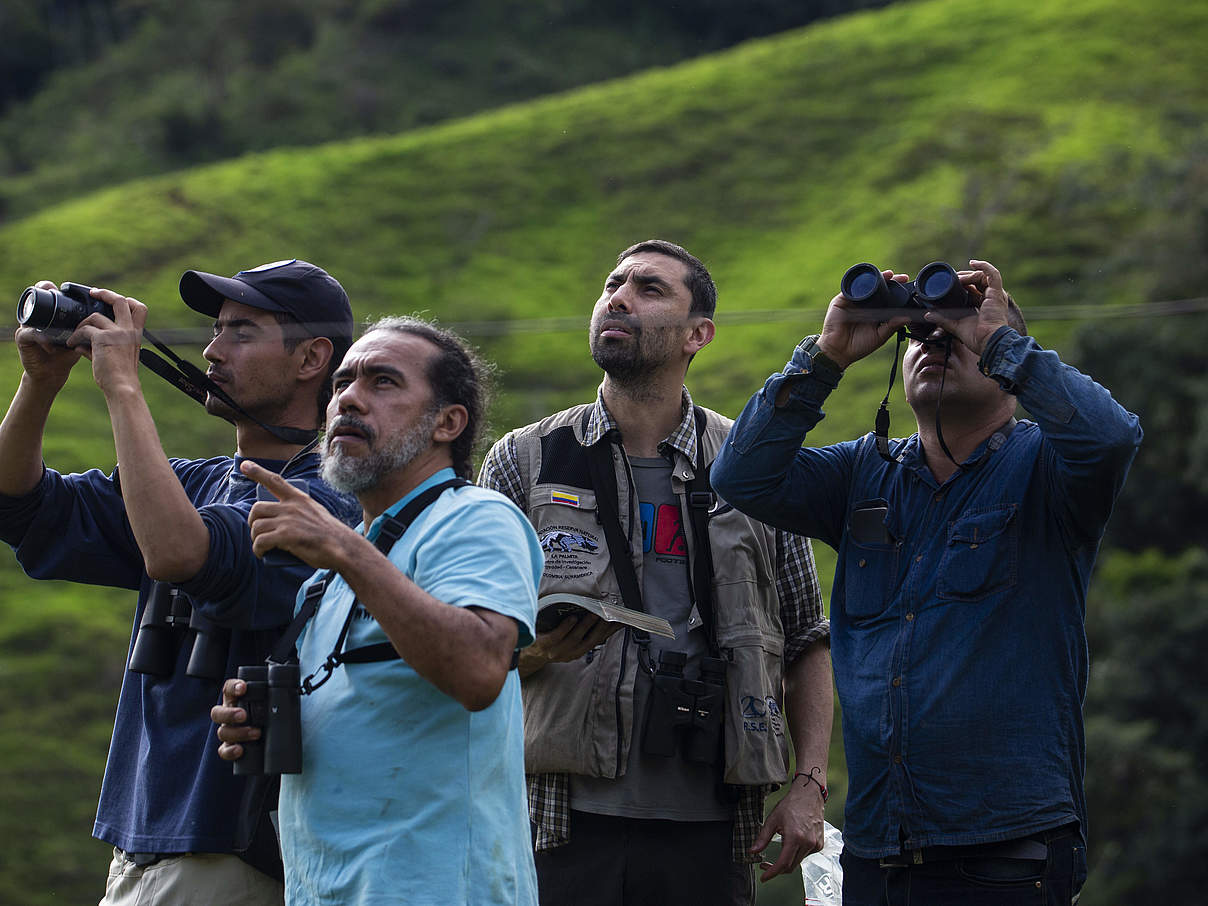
(501, 472)
(800, 595)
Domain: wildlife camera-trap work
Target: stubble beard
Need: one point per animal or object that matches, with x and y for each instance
(630, 364)
(355, 474)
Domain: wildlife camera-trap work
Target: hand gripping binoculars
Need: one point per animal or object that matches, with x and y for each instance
(273, 702)
(937, 286)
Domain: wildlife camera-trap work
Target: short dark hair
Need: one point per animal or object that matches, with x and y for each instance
(698, 281)
(293, 333)
(457, 376)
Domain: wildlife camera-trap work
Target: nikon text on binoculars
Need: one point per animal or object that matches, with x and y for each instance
(937, 287)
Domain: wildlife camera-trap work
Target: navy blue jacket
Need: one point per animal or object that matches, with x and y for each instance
(165, 789)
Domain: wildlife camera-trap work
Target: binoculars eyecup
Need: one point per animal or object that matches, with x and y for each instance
(209, 649)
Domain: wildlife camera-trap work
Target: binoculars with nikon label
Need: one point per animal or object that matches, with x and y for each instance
(273, 702)
(685, 710)
(59, 311)
(937, 286)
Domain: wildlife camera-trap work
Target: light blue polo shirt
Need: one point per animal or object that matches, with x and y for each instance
(405, 796)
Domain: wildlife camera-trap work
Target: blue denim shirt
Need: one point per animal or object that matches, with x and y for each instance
(957, 615)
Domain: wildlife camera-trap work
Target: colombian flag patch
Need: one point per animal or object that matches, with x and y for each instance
(564, 498)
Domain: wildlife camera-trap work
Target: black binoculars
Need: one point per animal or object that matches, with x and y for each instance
(273, 702)
(59, 311)
(168, 620)
(937, 286)
(686, 709)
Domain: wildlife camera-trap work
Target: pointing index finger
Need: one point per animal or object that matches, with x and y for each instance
(271, 481)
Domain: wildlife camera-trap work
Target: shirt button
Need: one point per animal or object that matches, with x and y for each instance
(938, 497)
(909, 618)
(973, 546)
(897, 759)
(918, 559)
(862, 562)
(897, 681)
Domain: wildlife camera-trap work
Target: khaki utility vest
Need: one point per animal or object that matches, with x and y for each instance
(578, 717)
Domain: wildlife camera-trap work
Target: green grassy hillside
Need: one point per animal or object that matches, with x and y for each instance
(1046, 138)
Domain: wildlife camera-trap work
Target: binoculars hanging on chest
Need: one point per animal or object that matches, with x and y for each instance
(684, 712)
(168, 622)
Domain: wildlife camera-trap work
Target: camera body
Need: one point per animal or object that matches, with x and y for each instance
(273, 701)
(59, 311)
(684, 714)
(937, 287)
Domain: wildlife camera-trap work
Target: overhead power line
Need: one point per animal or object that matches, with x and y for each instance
(575, 323)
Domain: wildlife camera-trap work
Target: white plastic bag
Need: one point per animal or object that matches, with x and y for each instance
(821, 873)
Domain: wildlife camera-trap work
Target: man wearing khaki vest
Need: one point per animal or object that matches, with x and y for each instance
(648, 758)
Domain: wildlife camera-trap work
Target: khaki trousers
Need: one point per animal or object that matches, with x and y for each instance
(192, 879)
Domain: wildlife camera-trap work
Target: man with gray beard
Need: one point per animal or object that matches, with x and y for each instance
(412, 788)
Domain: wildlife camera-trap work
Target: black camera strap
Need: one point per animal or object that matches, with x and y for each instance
(620, 549)
(192, 381)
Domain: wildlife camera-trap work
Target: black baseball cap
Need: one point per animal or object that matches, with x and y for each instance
(296, 287)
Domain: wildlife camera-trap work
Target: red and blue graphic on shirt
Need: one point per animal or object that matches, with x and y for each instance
(663, 530)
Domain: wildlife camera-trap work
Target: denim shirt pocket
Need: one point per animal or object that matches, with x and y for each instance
(982, 554)
(871, 558)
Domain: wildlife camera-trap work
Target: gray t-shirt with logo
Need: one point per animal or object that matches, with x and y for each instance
(671, 788)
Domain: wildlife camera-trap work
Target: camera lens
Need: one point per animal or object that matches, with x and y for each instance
(36, 308)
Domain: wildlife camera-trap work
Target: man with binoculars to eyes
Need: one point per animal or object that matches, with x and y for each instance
(649, 758)
(957, 615)
(411, 782)
(176, 530)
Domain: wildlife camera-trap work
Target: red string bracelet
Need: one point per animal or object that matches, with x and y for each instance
(810, 776)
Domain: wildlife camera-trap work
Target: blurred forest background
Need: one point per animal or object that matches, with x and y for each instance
(482, 162)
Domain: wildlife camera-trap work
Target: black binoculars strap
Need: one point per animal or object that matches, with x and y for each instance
(192, 381)
(393, 528)
(620, 551)
(285, 649)
(700, 500)
(881, 426)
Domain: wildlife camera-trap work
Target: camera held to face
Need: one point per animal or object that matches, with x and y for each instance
(59, 311)
(684, 709)
(937, 286)
(273, 702)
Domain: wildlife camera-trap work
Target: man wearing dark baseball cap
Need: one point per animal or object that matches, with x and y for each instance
(298, 288)
(177, 531)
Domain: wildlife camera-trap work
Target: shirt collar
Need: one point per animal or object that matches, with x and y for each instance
(682, 439)
(397, 507)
